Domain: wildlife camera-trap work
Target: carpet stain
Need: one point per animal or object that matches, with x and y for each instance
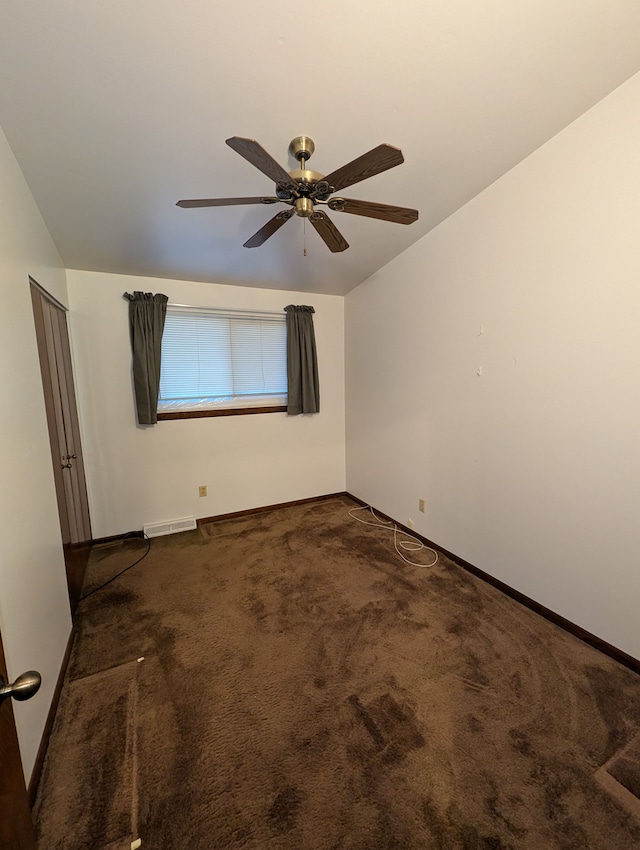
(393, 728)
(472, 839)
(284, 810)
(449, 830)
(495, 808)
(474, 724)
(520, 741)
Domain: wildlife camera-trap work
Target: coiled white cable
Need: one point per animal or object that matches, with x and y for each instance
(410, 544)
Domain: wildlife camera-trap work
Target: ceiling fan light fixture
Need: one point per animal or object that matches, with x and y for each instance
(304, 207)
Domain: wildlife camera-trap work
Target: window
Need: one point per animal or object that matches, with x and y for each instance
(222, 361)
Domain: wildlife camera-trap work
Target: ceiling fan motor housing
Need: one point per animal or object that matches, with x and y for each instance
(302, 147)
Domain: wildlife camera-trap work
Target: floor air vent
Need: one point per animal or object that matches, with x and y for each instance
(157, 529)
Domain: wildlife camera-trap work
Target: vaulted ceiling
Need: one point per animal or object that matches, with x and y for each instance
(116, 110)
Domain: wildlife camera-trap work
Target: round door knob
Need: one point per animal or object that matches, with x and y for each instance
(24, 687)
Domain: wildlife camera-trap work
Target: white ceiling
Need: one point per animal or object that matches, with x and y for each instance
(115, 110)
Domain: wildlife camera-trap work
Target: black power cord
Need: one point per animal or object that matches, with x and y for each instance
(130, 535)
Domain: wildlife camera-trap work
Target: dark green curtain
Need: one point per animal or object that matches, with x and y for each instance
(302, 361)
(147, 313)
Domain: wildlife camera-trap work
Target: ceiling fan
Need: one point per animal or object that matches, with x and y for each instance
(303, 190)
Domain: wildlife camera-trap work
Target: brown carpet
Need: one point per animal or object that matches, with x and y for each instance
(303, 688)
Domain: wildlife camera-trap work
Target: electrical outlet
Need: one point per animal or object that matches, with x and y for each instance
(202, 490)
(421, 505)
(410, 523)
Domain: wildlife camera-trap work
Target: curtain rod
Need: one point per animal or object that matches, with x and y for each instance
(226, 309)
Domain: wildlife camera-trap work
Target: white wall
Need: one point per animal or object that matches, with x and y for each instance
(34, 607)
(138, 475)
(530, 471)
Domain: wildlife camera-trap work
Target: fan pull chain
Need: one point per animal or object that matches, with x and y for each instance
(304, 236)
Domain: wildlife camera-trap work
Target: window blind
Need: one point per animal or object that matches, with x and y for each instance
(215, 358)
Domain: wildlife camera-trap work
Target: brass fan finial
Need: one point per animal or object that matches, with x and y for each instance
(302, 147)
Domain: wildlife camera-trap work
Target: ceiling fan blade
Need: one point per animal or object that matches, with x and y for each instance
(386, 212)
(254, 153)
(369, 164)
(261, 236)
(332, 237)
(224, 202)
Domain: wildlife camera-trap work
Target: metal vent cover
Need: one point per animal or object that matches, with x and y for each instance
(171, 526)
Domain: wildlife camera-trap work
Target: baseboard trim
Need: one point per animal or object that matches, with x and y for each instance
(266, 508)
(613, 652)
(112, 538)
(36, 773)
(235, 514)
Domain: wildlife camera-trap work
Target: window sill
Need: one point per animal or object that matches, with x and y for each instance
(222, 411)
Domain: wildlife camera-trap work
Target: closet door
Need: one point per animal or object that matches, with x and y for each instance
(62, 417)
